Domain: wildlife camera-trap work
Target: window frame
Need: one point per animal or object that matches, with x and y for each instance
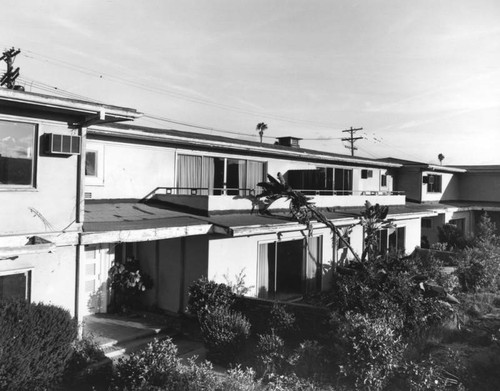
(98, 179)
(436, 185)
(34, 159)
(28, 279)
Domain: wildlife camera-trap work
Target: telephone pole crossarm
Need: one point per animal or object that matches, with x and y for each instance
(351, 139)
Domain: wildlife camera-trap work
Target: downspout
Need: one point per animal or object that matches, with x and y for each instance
(79, 217)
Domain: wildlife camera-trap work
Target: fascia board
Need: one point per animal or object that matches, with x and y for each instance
(141, 135)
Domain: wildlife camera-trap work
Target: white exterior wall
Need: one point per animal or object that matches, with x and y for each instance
(129, 170)
(54, 196)
(53, 275)
(449, 187)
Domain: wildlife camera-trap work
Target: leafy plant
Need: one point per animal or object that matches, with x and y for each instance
(224, 333)
(205, 295)
(35, 344)
(270, 353)
(126, 281)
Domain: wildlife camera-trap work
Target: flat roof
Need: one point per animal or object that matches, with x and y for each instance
(101, 113)
(109, 221)
(425, 166)
(191, 139)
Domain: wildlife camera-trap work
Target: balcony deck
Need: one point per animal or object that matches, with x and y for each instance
(243, 200)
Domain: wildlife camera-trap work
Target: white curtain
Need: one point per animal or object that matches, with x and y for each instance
(255, 173)
(263, 272)
(313, 263)
(242, 177)
(189, 173)
(207, 175)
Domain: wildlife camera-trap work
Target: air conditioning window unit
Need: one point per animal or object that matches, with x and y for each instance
(366, 174)
(62, 144)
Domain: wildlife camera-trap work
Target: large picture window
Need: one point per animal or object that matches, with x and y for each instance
(17, 154)
(210, 175)
(390, 239)
(289, 269)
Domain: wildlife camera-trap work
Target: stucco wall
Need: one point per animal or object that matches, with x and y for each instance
(409, 181)
(480, 187)
(130, 170)
(53, 275)
(449, 187)
(51, 205)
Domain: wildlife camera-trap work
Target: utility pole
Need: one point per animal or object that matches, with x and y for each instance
(9, 77)
(351, 139)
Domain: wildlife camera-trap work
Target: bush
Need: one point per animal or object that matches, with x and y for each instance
(35, 344)
(372, 349)
(156, 365)
(224, 333)
(281, 321)
(88, 364)
(270, 353)
(478, 268)
(205, 295)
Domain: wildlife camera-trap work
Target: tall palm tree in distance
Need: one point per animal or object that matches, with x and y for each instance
(441, 158)
(261, 127)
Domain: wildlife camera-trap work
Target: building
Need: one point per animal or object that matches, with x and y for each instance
(81, 190)
(41, 193)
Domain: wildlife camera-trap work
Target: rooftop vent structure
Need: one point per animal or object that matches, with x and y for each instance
(289, 141)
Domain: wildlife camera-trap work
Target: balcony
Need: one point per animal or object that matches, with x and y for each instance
(245, 200)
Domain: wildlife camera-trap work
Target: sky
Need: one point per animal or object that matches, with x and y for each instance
(419, 77)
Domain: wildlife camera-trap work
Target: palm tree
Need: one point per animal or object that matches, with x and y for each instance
(261, 126)
(441, 158)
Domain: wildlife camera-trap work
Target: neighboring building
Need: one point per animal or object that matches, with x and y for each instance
(41, 193)
(456, 194)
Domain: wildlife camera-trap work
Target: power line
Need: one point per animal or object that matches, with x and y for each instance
(165, 91)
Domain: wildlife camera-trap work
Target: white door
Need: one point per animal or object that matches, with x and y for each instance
(95, 274)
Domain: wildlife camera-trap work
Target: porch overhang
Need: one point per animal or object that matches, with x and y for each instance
(34, 245)
(144, 235)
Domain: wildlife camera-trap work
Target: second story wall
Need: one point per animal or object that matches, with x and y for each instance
(482, 186)
(38, 192)
(439, 186)
(126, 169)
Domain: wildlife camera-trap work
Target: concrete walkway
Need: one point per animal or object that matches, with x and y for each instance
(120, 335)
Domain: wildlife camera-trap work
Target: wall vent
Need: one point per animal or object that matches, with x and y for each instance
(87, 195)
(62, 144)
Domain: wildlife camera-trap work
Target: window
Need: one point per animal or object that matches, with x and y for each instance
(343, 181)
(383, 180)
(426, 222)
(434, 183)
(365, 174)
(208, 175)
(391, 239)
(15, 285)
(17, 154)
(459, 223)
(289, 269)
(94, 164)
(91, 163)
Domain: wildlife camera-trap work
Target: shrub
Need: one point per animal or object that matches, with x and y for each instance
(224, 333)
(270, 353)
(478, 268)
(35, 344)
(88, 364)
(281, 321)
(308, 359)
(373, 350)
(127, 281)
(156, 365)
(205, 295)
